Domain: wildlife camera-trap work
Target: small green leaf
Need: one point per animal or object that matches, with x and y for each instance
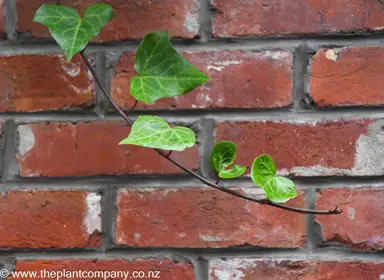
(223, 155)
(278, 189)
(70, 31)
(234, 172)
(154, 132)
(163, 72)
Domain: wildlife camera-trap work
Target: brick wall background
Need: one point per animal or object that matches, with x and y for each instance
(301, 80)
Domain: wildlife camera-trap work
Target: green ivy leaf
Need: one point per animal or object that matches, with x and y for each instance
(223, 155)
(163, 72)
(278, 189)
(70, 31)
(234, 172)
(154, 132)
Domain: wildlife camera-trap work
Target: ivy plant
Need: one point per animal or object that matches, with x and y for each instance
(222, 156)
(70, 31)
(277, 188)
(154, 132)
(163, 73)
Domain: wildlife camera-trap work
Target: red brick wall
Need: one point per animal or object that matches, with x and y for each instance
(300, 80)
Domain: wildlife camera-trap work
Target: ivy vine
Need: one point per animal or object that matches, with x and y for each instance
(162, 73)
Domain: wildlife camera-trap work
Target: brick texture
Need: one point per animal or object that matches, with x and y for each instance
(312, 149)
(360, 225)
(247, 18)
(163, 268)
(69, 190)
(203, 218)
(239, 79)
(347, 77)
(36, 83)
(133, 19)
(247, 269)
(86, 149)
(49, 219)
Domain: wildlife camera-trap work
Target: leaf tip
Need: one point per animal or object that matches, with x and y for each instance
(68, 56)
(206, 78)
(123, 142)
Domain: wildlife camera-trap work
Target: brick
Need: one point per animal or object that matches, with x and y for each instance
(239, 79)
(244, 269)
(152, 268)
(50, 219)
(133, 19)
(87, 149)
(310, 149)
(200, 217)
(37, 82)
(359, 225)
(269, 17)
(340, 76)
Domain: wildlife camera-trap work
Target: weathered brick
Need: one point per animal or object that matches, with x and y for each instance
(37, 82)
(239, 79)
(133, 19)
(360, 225)
(152, 269)
(247, 269)
(347, 77)
(49, 219)
(192, 217)
(310, 149)
(86, 149)
(269, 17)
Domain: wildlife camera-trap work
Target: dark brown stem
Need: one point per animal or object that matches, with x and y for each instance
(134, 105)
(107, 95)
(169, 154)
(218, 180)
(194, 174)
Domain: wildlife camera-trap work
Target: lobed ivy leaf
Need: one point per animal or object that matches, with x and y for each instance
(70, 31)
(154, 132)
(163, 72)
(278, 189)
(223, 155)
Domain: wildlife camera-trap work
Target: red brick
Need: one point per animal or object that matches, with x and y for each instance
(35, 83)
(309, 149)
(166, 268)
(360, 225)
(269, 17)
(86, 149)
(239, 79)
(49, 219)
(248, 269)
(133, 19)
(193, 217)
(345, 77)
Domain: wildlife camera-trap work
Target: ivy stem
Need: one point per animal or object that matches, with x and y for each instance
(194, 174)
(218, 180)
(107, 95)
(169, 154)
(134, 105)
